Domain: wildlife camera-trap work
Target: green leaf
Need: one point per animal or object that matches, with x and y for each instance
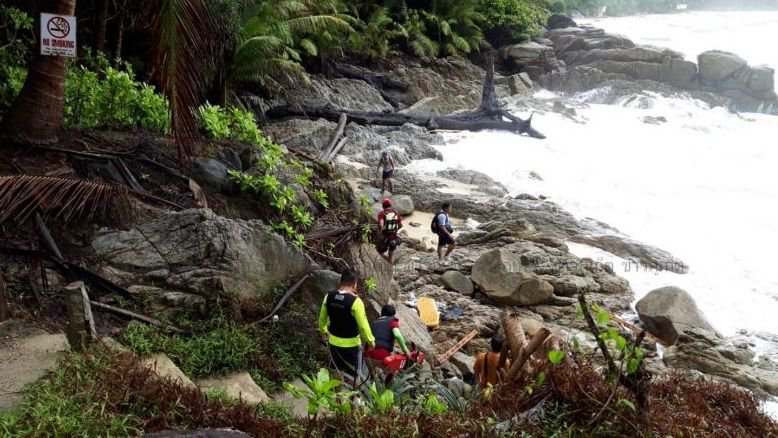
(627, 403)
(602, 318)
(556, 356)
(621, 343)
(632, 365)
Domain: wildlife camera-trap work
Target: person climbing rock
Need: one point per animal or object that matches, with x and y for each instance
(342, 320)
(386, 165)
(386, 330)
(486, 370)
(441, 225)
(389, 222)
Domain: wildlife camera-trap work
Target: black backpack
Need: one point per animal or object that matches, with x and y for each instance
(434, 225)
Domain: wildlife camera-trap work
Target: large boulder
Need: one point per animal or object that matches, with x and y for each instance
(402, 204)
(531, 54)
(413, 329)
(762, 78)
(669, 311)
(500, 275)
(317, 286)
(717, 65)
(457, 281)
(558, 21)
(364, 260)
(200, 252)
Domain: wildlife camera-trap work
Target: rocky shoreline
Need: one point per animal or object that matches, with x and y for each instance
(530, 231)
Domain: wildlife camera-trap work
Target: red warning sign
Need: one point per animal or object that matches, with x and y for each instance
(58, 35)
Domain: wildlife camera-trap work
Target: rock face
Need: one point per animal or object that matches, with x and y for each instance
(499, 275)
(457, 281)
(645, 256)
(589, 58)
(484, 182)
(196, 251)
(705, 351)
(531, 57)
(669, 311)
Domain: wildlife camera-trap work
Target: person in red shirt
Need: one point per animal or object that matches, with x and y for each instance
(386, 330)
(389, 222)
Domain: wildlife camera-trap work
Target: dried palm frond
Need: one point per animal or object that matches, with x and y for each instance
(70, 198)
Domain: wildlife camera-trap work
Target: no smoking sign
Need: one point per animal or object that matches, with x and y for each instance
(58, 35)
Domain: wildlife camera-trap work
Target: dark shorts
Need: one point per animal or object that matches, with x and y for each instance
(444, 240)
(388, 244)
(346, 360)
(387, 174)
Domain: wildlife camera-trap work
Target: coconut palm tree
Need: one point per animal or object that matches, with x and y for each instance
(184, 57)
(36, 115)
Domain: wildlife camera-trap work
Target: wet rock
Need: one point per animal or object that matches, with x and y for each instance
(572, 285)
(704, 351)
(475, 178)
(499, 274)
(717, 65)
(669, 311)
(644, 256)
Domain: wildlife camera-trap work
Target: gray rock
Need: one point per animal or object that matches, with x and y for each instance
(500, 275)
(704, 351)
(531, 54)
(473, 177)
(669, 311)
(205, 254)
(183, 300)
(558, 21)
(457, 281)
(465, 363)
(317, 286)
(403, 204)
(413, 328)
(572, 285)
(456, 386)
(762, 78)
(231, 158)
(644, 256)
(210, 173)
(349, 94)
(239, 386)
(717, 65)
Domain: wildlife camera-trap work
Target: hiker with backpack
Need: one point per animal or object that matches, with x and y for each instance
(441, 225)
(386, 166)
(389, 222)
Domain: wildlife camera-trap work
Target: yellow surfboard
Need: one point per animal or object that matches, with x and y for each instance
(428, 312)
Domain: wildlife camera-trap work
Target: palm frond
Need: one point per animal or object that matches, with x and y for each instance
(70, 198)
(317, 24)
(185, 56)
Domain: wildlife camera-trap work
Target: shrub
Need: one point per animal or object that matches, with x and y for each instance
(511, 21)
(16, 38)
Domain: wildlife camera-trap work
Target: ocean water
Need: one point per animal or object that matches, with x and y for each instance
(703, 185)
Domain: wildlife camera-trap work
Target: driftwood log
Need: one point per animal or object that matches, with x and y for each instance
(490, 115)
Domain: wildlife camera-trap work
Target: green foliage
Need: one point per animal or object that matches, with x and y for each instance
(236, 124)
(556, 356)
(107, 97)
(50, 407)
(453, 24)
(222, 349)
(377, 33)
(16, 38)
(631, 355)
(380, 402)
(321, 393)
(510, 21)
(371, 285)
(433, 406)
(321, 198)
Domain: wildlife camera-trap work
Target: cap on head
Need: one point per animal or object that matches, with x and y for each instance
(384, 153)
(387, 203)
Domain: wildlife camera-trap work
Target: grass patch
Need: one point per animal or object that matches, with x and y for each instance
(227, 342)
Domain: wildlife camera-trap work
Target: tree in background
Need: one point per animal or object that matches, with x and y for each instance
(511, 21)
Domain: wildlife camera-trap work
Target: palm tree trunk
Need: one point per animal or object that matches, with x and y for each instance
(36, 115)
(117, 54)
(101, 22)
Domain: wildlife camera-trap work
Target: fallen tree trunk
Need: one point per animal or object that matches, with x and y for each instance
(490, 115)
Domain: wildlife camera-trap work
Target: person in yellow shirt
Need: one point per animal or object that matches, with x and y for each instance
(343, 321)
(485, 368)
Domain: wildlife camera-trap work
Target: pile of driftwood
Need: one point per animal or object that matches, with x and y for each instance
(529, 356)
